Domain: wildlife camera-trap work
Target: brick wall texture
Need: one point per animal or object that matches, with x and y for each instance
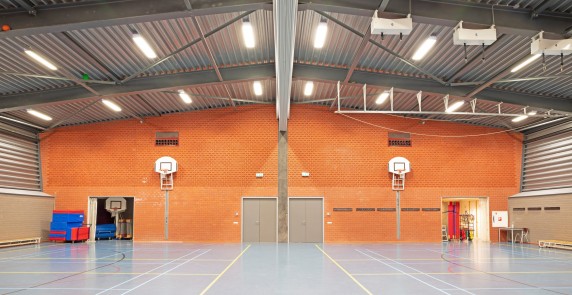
(220, 151)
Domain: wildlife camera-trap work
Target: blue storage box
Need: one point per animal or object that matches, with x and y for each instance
(68, 216)
(64, 225)
(105, 231)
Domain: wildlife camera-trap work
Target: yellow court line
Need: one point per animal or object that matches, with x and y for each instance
(344, 270)
(130, 259)
(222, 273)
(462, 273)
(103, 273)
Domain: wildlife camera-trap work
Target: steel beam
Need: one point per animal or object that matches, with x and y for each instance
(266, 71)
(284, 35)
(115, 13)
(542, 7)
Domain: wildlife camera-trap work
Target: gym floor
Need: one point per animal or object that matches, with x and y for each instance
(122, 267)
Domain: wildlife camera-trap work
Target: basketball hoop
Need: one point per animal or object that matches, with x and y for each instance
(164, 171)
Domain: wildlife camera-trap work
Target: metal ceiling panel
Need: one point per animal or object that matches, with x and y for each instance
(340, 45)
(228, 44)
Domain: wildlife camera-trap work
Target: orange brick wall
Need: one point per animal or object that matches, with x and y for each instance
(347, 161)
(221, 150)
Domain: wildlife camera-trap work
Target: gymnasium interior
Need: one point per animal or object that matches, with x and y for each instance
(285, 147)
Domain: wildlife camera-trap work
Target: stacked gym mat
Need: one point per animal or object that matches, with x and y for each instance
(68, 226)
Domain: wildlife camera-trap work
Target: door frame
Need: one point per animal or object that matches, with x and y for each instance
(242, 215)
(93, 227)
(484, 223)
(323, 221)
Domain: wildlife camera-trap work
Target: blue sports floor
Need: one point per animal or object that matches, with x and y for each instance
(122, 267)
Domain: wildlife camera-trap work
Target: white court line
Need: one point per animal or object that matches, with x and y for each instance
(33, 255)
(514, 288)
(164, 273)
(113, 287)
(456, 287)
(409, 275)
(91, 289)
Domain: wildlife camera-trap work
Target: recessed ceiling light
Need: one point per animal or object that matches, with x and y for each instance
(257, 88)
(185, 97)
(110, 104)
(382, 97)
(519, 118)
(309, 88)
(39, 115)
(455, 106)
(41, 60)
(425, 47)
(525, 63)
(248, 33)
(144, 46)
(321, 32)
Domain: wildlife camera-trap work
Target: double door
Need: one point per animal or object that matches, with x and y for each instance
(259, 220)
(306, 220)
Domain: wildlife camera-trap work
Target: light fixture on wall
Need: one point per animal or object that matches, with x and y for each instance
(425, 47)
(144, 46)
(110, 104)
(455, 106)
(525, 63)
(39, 115)
(382, 97)
(248, 33)
(257, 86)
(321, 32)
(185, 97)
(40, 59)
(309, 88)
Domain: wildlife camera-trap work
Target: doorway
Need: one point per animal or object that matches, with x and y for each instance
(466, 217)
(306, 220)
(109, 228)
(259, 220)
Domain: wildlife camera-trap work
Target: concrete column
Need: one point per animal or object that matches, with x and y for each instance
(282, 187)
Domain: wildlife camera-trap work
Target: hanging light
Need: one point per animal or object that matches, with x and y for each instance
(41, 60)
(455, 106)
(144, 46)
(110, 104)
(382, 97)
(39, 115)
(321, 32)
(520, 118)
(532, 113)
(185, 97)
(257, 88)
(525, 63)
(309, 88)
(425, 47)
(248, 33)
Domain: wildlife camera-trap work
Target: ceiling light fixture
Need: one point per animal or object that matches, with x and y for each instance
(525, 63)
(185, 97)
(257, 88)
(144, 46)
(321, 32)
(309, 88)
(519, 118)
(110, 104)
(39, 115)
(532, 113)
(455, 106)
(41, 60)
(425, 47)
(248, 33)
(382, 97)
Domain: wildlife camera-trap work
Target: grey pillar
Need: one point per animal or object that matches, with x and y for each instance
(282, 187)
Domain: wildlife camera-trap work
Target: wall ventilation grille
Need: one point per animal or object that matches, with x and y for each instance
(399, 139)
(167, 138)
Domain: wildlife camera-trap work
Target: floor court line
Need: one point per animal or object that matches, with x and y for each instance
(227, 268)
(344, 270)
(30, 247)
(421, 272)
(162, 274)
(417, 279)
(113, 287)
(100, 273)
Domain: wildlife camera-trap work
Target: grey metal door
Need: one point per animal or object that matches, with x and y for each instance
(259, 220)
(267, 220)
(306, 220)
(314, 221)
(250, 220)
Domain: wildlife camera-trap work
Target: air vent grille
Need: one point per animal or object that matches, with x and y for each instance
(167, 138)
(399, 139)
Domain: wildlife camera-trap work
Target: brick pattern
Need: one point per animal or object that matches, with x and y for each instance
(220, 151)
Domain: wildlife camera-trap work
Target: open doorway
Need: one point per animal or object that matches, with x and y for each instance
(111, 218)
(465, 218)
